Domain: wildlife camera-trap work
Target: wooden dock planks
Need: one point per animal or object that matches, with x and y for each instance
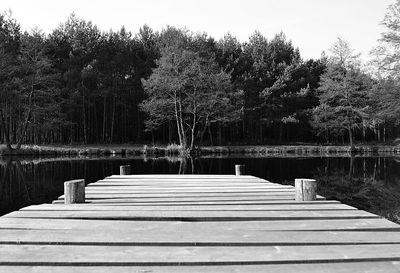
(196, 223)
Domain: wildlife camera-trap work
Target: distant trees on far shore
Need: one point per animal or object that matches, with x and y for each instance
(81, 85)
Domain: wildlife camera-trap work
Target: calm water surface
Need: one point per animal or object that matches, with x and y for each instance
(368, 183)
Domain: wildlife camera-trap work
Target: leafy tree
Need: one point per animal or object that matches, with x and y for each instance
(387, 55)
(271, 85)
(387, 98)
(385, 94)
(28, 90)
(385, 101)
(231, 58)
(289, 99)
(10, 42)
(76, 47)
(38, 88)
(343, 94)
(112, 75)
(188, 89)
(88, 86)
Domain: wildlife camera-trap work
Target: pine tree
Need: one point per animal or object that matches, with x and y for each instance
(343, 94)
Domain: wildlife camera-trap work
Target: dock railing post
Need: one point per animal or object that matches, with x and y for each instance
(124, 169)
(305, 189)
(239, 170)
(74, 191)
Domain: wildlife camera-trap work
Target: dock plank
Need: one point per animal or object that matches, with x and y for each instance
(233, 207)
(58, 255)
(196, 223)
(195, 215)
(182, 236)
(163, 227)
(188, 197)
(354, 267)
(185, 200)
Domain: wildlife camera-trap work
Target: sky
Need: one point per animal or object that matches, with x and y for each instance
(312, 25)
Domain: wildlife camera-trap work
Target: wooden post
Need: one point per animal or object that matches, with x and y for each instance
(124, 169)
(306, 189)
(74, 191)
(239, 170)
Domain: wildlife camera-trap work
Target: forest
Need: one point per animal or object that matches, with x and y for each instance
(81, 85)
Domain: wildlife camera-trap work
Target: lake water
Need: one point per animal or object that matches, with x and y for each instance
(368, 183)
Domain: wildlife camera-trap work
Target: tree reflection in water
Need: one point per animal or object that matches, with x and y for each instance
(369, 183)
(28, 181)
(366, 184)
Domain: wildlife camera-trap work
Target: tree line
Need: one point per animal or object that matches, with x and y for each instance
(81, 85)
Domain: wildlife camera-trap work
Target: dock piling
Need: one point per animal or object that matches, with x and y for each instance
(305, 189)
(74, 191)
(125, 170)
(239, 170)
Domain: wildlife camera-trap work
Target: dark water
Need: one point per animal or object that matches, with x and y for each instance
(368, 183)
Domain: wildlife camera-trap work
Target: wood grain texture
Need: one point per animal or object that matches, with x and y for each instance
(186, 255)
(196, 223)
(74, 191)
(353, 267)
(306, 189)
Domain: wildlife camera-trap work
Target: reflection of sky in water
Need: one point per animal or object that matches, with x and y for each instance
(370, 183)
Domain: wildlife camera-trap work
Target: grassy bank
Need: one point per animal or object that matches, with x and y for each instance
(100, 150)
(128, 149)
(300, 149)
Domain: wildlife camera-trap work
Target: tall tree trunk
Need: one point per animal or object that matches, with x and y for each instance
(139, 124)
(192, 137)
(351, 139)
(84, 115)
(184, 140)
(182, 165)
(363, 130)
(4, 128)
(112, 120)
(219, 133)
(126, 124)
(379, 133)
(24, 126)
(243, 129)
(11, 127)
(169, 132)
(193, 131)
(192, 164)
(104, 117)
(327, 136)
(384, 133)
(23, 130)
(210, 135)
(95, 130)
(178, 125)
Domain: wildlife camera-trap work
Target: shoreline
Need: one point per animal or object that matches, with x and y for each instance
(127, 149)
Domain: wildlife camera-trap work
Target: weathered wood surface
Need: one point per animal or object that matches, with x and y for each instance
(306, 189)
(196, 223)
(354, 267)
(317, 205)
(74, 191)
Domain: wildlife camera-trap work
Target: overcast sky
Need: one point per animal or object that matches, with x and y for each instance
(312, 25)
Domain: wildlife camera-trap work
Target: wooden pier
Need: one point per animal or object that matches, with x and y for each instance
(196, 223)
